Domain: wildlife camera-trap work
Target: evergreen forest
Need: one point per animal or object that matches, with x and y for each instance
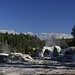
(20, 43)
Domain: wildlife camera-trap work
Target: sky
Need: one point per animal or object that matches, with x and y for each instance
(37, 16)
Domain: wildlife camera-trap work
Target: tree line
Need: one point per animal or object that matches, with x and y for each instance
(21, 43)
(65, 43)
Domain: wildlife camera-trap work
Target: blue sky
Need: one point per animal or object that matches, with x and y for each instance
(37, 16)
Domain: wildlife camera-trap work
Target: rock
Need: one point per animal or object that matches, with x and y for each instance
(46, 51)
(20, 57)
(37, 53)
(69, 51)
(55, 52)
(4, 57)
(14, 57)
(65, 58)
(68, 54)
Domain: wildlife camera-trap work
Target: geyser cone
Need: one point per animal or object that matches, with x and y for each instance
(55, 52)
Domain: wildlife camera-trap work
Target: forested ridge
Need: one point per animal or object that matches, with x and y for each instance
(21, 42)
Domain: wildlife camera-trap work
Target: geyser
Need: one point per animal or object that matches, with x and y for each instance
(47, 51)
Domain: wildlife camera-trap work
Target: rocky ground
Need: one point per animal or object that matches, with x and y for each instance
(38, 67)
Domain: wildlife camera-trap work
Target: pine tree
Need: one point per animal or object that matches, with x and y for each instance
(73, 33)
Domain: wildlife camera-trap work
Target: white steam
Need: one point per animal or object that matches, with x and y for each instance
(4, 48)
(52, 41)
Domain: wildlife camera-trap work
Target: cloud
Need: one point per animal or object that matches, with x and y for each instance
(9, 31)
(45, 36)
(24, 33)
(14, 32)
(30, 33)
